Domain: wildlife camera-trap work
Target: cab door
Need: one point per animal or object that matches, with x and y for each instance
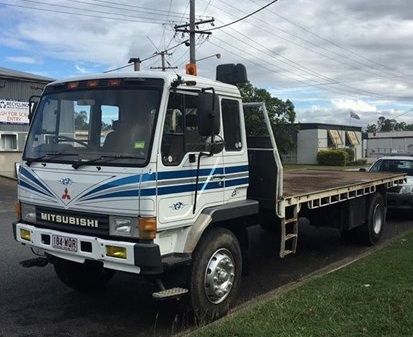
(177, 165)
(235, 152)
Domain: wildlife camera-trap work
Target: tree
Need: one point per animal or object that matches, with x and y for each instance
(81, 122)
(386, 124)
(281, 113)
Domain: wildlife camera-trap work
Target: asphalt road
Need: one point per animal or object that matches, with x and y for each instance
(33, 302)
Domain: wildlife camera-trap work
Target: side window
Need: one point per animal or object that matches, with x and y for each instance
(110, 121)
(232, 125)
(180, 132)
(376, 166)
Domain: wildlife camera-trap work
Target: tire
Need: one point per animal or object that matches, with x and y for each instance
(215, 274)
(84, 277)
(371, 231)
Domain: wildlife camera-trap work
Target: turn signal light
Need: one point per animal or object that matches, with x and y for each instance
(147, 228)
(115, 251)
(18, 209)
(25, 234)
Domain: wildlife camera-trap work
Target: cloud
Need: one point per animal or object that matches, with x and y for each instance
(23, 59)
(355, 105)
(81, 70)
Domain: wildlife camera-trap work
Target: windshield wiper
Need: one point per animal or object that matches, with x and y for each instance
(47, 155)
(80, 163)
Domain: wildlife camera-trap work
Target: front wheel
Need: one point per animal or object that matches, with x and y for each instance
(215, 274)
(84, 277)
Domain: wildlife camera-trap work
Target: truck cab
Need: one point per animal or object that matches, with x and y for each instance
(125, 171)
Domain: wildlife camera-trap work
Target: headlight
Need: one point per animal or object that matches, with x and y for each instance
(28, 212)
(406, 189)
(123, 226)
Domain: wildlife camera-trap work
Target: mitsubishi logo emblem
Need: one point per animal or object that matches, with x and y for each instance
(66, 195)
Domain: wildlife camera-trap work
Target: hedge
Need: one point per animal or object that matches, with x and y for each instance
(332, 157)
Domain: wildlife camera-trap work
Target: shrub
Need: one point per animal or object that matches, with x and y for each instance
(332, 157)
(350, 153)
(360, 162)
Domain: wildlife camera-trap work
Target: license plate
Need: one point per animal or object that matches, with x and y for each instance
(64, 243)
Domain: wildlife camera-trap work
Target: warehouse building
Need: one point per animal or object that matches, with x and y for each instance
(310, 138)
(379, 144)
(16, 88)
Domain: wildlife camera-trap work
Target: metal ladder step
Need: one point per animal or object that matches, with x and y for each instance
(290, 234)
(292, 220)
(169, 293)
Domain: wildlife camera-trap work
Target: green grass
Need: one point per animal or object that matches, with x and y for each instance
(372, 297)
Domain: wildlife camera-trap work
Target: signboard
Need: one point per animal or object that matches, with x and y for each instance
(14, 112)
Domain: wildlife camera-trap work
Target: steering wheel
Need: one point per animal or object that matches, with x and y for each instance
(70, 139)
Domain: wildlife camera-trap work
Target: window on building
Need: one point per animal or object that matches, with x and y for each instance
(181, 134)
(9, 142)
(352, 138)
(334, 138)
(231, 124)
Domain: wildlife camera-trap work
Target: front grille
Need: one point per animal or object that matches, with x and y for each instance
(69, 221)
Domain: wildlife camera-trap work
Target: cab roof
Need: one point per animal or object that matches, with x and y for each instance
(168, 77)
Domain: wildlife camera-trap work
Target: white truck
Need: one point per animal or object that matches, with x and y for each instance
(150, 172)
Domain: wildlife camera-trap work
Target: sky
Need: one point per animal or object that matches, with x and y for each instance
(327, 57)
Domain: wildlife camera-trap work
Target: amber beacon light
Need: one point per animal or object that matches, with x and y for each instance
(191, 69)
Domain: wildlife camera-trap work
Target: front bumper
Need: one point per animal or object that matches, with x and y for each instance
(141, 258)
(399, 201)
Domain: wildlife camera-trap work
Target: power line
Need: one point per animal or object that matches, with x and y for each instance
(141, 11)
(82, 9)
(244, 17)
(334, 59)
(304, 28)
(150, 21)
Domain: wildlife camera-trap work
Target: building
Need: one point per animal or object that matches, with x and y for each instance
(313, 137)
(16, 88)
(379, 144)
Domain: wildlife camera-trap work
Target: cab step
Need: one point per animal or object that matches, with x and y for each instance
(169, 293)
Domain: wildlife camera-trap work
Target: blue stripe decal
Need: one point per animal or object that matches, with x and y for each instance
(235, 182)
(189, 173)
(171, 189)
(30, 176)
(30, 187)
(115, 183)
(236, 169)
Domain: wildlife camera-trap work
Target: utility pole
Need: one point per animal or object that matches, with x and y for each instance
(162, 54)
(192, 31)
(136, 63)
(192, 59)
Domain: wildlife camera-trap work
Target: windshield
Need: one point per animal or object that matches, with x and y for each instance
(104, 125)
(394, 165)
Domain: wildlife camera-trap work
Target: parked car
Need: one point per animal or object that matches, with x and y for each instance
(398, 196)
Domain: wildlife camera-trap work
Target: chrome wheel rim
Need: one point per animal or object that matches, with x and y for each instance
(377, 219)
(219, 276)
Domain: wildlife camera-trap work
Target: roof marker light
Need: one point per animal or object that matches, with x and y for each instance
(92, 84)
(72, 85)
(114, 82)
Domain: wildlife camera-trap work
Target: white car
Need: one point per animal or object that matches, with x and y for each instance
(398, 196)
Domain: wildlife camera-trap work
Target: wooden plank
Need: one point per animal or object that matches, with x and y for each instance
(304, 182)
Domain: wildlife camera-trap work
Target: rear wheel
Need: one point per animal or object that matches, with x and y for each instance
(215, 274)
(85, 277)
(370, 232)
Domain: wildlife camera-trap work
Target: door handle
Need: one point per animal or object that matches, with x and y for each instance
(218, 177)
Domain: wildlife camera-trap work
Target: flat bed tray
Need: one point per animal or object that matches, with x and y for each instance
(307, 182)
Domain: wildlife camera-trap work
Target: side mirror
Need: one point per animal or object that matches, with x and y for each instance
(363, 169)
(208, 114)
(216, 146)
